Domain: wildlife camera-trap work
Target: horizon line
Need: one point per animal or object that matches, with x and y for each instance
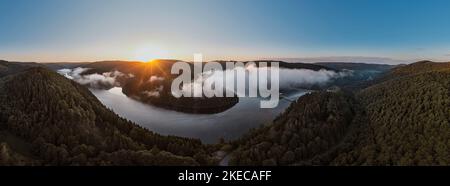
(332, 59)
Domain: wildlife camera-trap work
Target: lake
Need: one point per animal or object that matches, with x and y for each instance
(209, 128)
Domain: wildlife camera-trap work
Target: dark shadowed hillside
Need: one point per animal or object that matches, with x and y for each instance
(356, 66)
(363, 74)
(310, 126)
(409, 122)
(420, 67)
(7, 68)
(62, 123)
(404, 120)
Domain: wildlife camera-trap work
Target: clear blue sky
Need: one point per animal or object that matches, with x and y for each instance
(88, 30)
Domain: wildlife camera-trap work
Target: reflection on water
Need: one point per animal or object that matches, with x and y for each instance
(230, 124)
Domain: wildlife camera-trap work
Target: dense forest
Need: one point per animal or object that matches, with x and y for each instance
(409, 122)
(51, 120)
(311, 126)
(402, 120)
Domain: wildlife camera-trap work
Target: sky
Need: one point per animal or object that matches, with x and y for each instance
(92, 30)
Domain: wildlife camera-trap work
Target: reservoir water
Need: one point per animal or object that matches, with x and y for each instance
(209, 128)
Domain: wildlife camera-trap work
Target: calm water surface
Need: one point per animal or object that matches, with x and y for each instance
(230, 124)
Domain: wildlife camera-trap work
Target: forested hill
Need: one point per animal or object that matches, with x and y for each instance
(8, 68)
(50, 120)
(356, 66)
(409, 122)
(420, 67)
(404, 120)
(309, 127)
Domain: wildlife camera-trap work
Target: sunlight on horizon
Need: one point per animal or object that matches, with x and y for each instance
(149, 53)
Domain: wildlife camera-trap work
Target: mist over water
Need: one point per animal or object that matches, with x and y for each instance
(209, 128)
(288, 78)
(230, 124)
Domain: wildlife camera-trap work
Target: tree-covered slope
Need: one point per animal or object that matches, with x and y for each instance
(419, 67)
(404, 120)
(8, 68)
(409, 122)
(66, 125)
(309, 127)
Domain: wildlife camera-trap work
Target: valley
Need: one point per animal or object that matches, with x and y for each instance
(375, 116)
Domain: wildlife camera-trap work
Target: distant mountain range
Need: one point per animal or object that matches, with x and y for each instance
(346, 59)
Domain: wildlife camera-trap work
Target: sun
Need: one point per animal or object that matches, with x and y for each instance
(150, 53)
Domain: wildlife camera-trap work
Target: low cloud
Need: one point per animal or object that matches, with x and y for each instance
(288, 78)
(154, 93)
(155, 79)
(104, 80)
(305, 77)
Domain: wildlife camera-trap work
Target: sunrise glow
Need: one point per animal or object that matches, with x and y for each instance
(150, 53)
